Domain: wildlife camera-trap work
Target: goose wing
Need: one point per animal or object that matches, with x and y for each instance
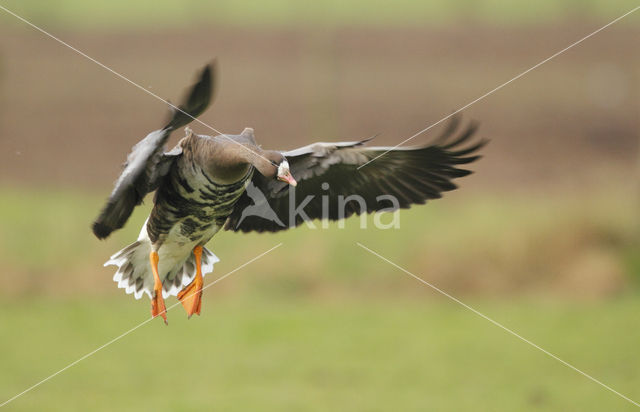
(333, 185)
(148, 163)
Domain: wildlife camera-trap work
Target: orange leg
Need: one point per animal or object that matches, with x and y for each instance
(157, 302)
(191, 295)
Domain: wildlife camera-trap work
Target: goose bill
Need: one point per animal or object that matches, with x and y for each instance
(288, 179)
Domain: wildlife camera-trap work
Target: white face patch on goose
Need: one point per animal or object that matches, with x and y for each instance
(284, 174)
(283, 168)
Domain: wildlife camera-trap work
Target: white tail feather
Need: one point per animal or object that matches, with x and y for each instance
(134, 273)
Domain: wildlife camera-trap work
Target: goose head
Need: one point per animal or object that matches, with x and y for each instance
(277, 168)
(284, 174)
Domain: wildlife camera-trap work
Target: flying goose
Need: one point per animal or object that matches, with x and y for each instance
(207, 183)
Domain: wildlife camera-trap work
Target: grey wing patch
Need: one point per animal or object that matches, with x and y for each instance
(164, 164)
(143, 158)
(319, 149)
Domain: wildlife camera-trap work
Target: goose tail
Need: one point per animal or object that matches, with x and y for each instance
(134, 275)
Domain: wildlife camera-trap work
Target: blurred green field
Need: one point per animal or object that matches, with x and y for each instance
(574, 246)
(296, 354)
(277, 13)
(319, 324)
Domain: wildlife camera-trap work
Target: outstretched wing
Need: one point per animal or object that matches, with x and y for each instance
(330, 185)
(148, 163)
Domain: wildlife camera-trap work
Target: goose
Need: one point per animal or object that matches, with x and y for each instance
(208, 183)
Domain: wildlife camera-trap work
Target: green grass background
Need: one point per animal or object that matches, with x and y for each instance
(319, 324)
(288, 354)
(276, 13)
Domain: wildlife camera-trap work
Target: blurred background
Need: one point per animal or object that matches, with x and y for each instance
(544, 237)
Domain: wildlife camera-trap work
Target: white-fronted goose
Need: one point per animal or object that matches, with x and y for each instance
(206, 183)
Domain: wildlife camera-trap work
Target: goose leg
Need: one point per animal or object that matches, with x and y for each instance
(157, 302)
(191, 295)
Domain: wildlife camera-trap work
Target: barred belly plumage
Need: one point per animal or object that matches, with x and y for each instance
(190, 207)
(189, 210)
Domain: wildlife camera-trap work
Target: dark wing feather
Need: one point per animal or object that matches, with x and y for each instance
(412, 175)
(147, 163)
(197, 100)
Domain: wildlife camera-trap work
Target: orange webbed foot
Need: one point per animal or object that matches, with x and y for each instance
(157, 302)
(158, 307)
(191, 295)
